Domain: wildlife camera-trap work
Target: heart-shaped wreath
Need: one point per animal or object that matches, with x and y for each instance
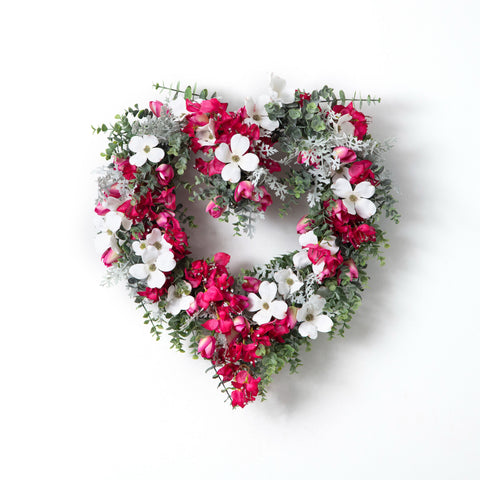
(289, 143)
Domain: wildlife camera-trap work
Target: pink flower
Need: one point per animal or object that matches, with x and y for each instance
(264, 199)
(251, 284)
(240, 324)
(206, 347)
(238, 398)
(156, 108)
(243, 190)
(213, 209)
(165, 174)
(344, 154)
(360, 172)
(357, 119)
(291, 318)
(109, 257)
(221, 258)
(304, 225)
(352, 269)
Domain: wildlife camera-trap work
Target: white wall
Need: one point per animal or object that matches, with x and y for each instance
(87, 393)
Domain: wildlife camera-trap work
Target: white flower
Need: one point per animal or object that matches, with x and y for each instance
(153, 269)
(301, 260)
(107, 226)
(265, 305)
(153, 247)
(236, 158)
(206, 134)
(258, 114)
(344, 125)
(144, 149)
(311, 318)
(178, 298)
(287, 281)
(278, 90)
(356, 201)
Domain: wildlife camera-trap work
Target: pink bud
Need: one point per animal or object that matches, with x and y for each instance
(304, 225)
(240, 324)
(156, 108)
(265, 199)
(165, 174)
(344, 154)
(352, 269)
(109, 257)
(244, 190)
(213, 209)
(206, 347)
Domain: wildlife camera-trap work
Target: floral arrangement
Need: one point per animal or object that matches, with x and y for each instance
(296, 145)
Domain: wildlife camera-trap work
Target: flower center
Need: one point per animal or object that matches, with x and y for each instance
(143, 246)
(109, 232)
(289, 281)
(266, 306)
(152, 267)
(257, 117)
(211, 137)
(353, 198)
(146, 149)
(157, 245)
(309, 317)
(178, 294)
(235, 158)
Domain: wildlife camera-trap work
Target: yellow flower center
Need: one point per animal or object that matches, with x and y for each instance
(266, 306)
(235, 158)
(146, 149)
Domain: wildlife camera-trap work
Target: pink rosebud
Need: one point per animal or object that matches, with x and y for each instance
(163, 219)
(165, 174)
(206, 347)
(114, 191)
(213, 209)
(221, 258)
(251, 284)
(265, 199)
(240, 324)
(109, 257)
(344, 154)
(291, 317)
(302, 158)
(352, 269)
(244, 190)
(193, 308)
(156, 108)
(304, 224)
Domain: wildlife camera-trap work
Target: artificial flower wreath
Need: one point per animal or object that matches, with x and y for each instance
(292, 144)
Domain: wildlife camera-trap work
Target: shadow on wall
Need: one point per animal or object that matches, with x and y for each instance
(327, 366)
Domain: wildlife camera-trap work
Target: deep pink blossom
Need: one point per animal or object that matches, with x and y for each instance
(164, 174)
(206, 347)
(213, 209)
(156, 107)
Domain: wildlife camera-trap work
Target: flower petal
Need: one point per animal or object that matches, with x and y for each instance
(113, 221)
(278, 309)
(223, 153)
(150, 140)
(307, 329)
(301, 260)
(255, 303)
(364, 190)
(249, 162)
(342, 188)
(156, 279)
(138, 271)
(323, 323)
(138, 159)
(349, 205)
(231, 173)
(365, 208)
(267, 291)
(156, 154)
(262, 316)
(165, 261)
(239, 144)
(135, 144)
(308, 238)
(317, 302)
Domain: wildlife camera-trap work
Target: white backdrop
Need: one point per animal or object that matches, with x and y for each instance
(88, 394)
